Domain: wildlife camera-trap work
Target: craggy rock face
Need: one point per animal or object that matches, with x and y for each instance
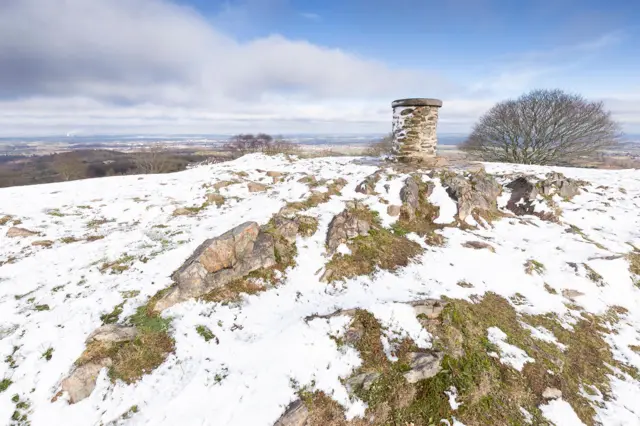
(343, 227)
(297, 414)
(82, 380)
(368, 185)
(478, 193)
(220, 260)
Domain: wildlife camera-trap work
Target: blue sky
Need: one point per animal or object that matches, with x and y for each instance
(198, 66)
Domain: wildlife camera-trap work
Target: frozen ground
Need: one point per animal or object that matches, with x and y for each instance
(52, 298)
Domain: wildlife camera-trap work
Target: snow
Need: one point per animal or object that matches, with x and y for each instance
(265, 345)
(560, 413)
(452, 393)
(509, 354)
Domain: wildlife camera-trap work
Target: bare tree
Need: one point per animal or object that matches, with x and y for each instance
(152, 160)
(542, 127)
(381, 147)
(69, 166)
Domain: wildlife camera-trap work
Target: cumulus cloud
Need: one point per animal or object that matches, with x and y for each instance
(128, 66)
(142, 55)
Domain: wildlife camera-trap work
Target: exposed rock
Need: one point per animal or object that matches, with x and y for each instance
(42, 243)
(345, 226)
(523, 194)
(423, 366)
(565, 187)
(217, 199)
(430, 308)
(296, 414)
(276, 176)
(393, 210)
(410, 196)
(14, 232)
(571, 294)
(220, 260)
(362, 381)
(82, 380)
(478, 245)
(368, 185)
(552, 393)
(285, 227)
(181, 211)
(222, 184)
(307, 225)
(256, 187)
(477, 194)
(112, 333)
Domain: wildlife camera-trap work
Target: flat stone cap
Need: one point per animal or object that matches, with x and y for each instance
(417, 102)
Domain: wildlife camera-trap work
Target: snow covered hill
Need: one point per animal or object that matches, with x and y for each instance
(539, 317)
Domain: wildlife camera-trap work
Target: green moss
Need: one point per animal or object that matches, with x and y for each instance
(113, 316)
(206, 333)
(42, 308)
(48, 354)
(4, 384)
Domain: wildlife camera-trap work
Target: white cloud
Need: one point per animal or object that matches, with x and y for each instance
(311, 16)
(127, 66)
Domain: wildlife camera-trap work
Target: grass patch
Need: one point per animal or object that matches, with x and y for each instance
(253, 283)
(4, 384)
(425, 213)
(206, 333)
(119, 265)
(68, 240)
(594, 276)
(576, 230)
(113, 316)
(91, 238)
(532, 265)
(307, 225)
(55, 213)
(48, 354)
(382, 248)
(94, 223)
(317, 198)
(40, 308)
(634, 266)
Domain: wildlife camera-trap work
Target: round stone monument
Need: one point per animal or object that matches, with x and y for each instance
(414, 129)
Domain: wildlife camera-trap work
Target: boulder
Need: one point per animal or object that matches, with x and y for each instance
(478, 193)
(82, 380)
(423, 365)
(362, 381)
(410, 196)
(181, 211)
(523, 195)
(368, 185)
(42, 243)
(216, 199)
(552, 393)
(296, 414)
(14, 232)
(430, 308)
(285, 227)
(256, 187)
(478, 245)
(563, 186)
(345, 226)
(222, 184)
(220, 260)
(393, 210)
(112, 333)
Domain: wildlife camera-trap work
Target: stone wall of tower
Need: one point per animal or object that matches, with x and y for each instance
(414, 128)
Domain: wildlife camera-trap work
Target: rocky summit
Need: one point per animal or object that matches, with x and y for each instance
(276, 290)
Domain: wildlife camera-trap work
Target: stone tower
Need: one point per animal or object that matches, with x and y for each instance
(414, 129)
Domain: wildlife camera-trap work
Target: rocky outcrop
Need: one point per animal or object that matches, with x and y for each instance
(368, 185)
(423, 365)
(15, 232)
(362, 381)
(476, 194)
(256, 187)
(563, 186)
(345, 226)
(230, 256)
(429, 308)
(82, 380)
(220, 260)
(393, 210)
(112, 333)
(296, 414)
(524, 193)
(410, 196)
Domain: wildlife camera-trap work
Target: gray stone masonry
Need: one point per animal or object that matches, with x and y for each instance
(414, 129)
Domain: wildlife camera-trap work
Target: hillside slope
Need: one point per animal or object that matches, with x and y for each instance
(531, 304)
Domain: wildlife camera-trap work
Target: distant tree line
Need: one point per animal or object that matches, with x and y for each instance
(242, 144)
